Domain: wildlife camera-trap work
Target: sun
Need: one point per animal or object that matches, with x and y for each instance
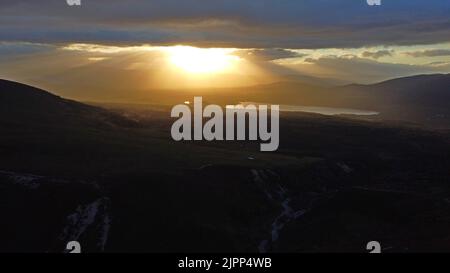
(202, 60)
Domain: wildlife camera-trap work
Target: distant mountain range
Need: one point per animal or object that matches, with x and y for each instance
(422, 99)
(419, 91)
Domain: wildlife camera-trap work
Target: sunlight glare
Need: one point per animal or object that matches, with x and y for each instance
(202, 60)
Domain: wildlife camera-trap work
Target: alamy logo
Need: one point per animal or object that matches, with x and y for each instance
(374, 2)
(73, 247)
(73, 2)
(374, 247)
(214, 129)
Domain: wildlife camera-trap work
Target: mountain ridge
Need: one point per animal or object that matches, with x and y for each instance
(423, 99)
(25, 103)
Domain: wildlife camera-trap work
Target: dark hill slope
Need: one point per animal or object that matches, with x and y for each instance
(28, 105)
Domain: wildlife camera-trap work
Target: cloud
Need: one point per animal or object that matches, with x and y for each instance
(429, 53)
(10, 50)
(361, 70)
(101, 72)
(440, 65)
(377, 54)
(228, 23)
(268, 54)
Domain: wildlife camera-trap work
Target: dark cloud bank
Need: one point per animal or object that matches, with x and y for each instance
(229, 23)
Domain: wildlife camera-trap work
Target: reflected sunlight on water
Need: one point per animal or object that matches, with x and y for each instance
(329, 111)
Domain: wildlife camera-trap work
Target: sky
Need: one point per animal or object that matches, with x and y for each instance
(165, 44)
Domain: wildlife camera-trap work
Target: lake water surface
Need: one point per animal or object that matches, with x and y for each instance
(329, 111)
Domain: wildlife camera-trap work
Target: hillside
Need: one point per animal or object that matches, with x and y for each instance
(422, 99)
(62, 162)
(30, 105)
